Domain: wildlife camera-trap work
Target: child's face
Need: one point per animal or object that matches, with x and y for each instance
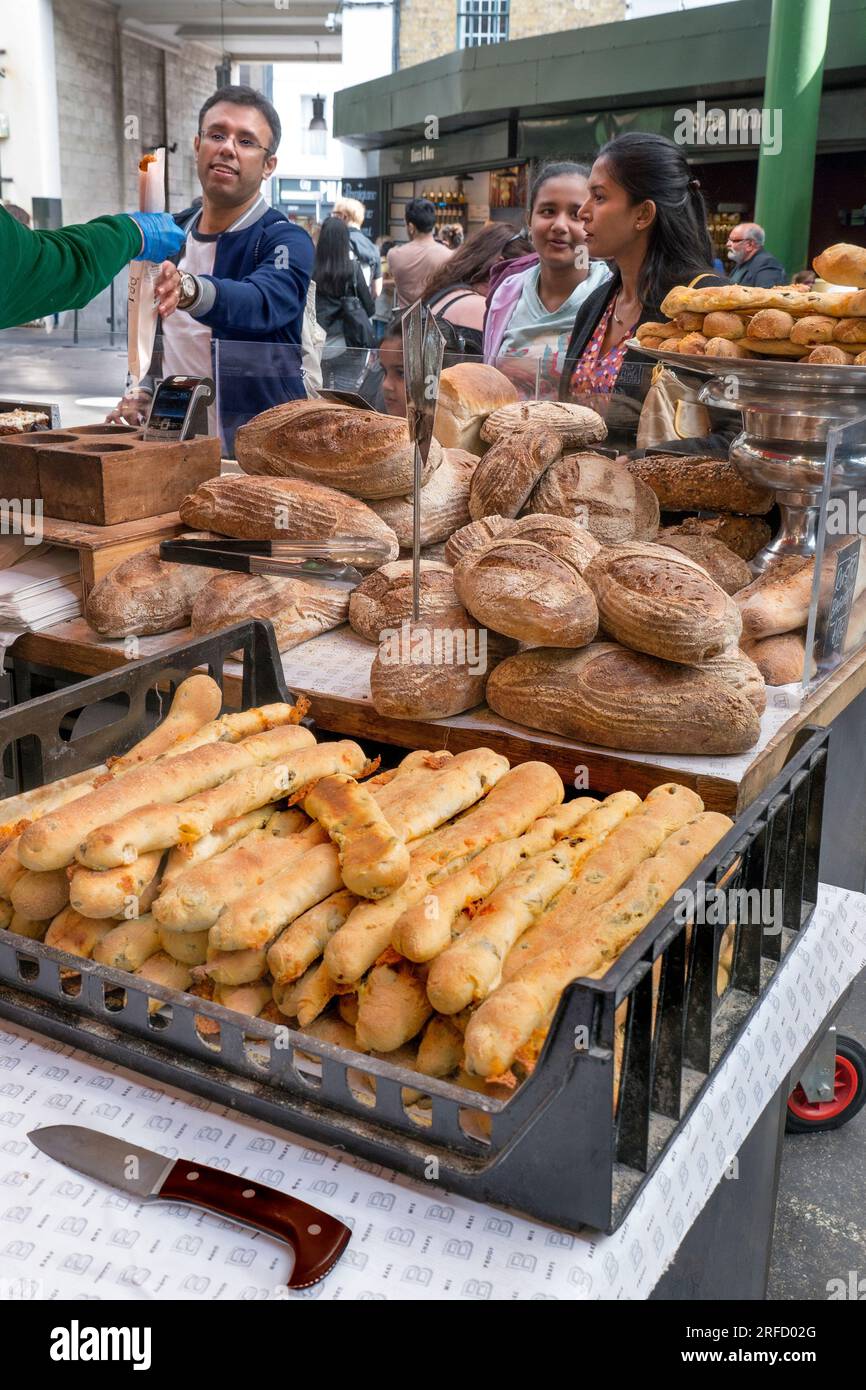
(393, 383)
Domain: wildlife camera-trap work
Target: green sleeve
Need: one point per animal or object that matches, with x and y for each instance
(46, 272)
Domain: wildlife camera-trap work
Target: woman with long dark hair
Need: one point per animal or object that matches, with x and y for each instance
(344, 307)
(456, 291)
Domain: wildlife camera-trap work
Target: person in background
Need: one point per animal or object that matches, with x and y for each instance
(244, 273)
(457, 290)
(46, 272)
(452, 236)
(753, 265)
(533, 300)
(340, 285)
(351, 211)
(412, 264)
(805, 279)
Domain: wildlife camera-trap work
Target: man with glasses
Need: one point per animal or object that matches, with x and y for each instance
(242, 276)
(753, 265)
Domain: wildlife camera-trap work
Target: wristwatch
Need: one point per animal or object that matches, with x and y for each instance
(189, 290)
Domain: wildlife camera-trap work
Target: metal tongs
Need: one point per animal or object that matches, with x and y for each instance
(423, 349)
(337, 562)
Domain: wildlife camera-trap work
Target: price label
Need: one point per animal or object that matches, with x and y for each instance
(838, 611)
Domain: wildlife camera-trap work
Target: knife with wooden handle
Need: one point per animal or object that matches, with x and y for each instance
(317, 1239)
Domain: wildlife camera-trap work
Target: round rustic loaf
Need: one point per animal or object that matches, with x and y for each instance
(430, 672)
(576, 425)
(608, 695)
(144, 595)
(359, 451)
(384, 598)
(444, 502)
(273, 509)
(522, 590)
(684, 483)
(559, 535)
(475, 535)
(745, 535)
(509, 471)
(721, 564)
(612, 503)
(660, 602)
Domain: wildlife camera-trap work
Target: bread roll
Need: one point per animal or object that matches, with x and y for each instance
(617, 698)
(297, 609)
(144, 595)
(723, 325)
(830, 354)
(721, 564)
(772, 324)
(576, 425)
(384, 598)
(653, 330)
(522, 590)
(814, 329)
(660, 602)
(687, 482)
(726, 347)
(694, 343)
(358, 451)
(689, 323)
(509, 471)
(475, 535)
(444, 502)
(269, 509)
(600, 493)
(430, 671)
(559, 535)
(860, 359)
(780, 659)
(745, 535)
(842, 264)
(468, 393)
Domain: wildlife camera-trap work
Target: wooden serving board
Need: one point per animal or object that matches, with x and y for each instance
(102, 475)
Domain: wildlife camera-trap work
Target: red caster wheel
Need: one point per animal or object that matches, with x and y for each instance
(806, 1116)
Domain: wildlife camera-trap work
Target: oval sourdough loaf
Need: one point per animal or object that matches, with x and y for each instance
(779, 659)
(522, 590)
(745, 535)
(560, 535)
(430, 672)
(686, 483)
(509, 471)
(297, 610)
(384, 598)
(738, 671)
(614, 505)
(444, 502)
(721, 564)
(778, 600)
(271, 509)
(617, 698)
(359, 451)
(468, 393)
(144, 595)
(576, 425)
(475, 535)
(660, 602)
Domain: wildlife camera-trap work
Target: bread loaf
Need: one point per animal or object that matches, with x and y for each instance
(600, 493)
(778, 600)
(779, 659)
(725, 347)
(272, 509)
(842, 264)
(723, 325)
(525, 592)
(359, 451)
(468, 393)
(745, 535)
(426, 671)
(576, 425)
(721, 564)
(657, 601)
(830, 354)
(475, 535)
(384, 598)
(683, 483)
(738, 671)
(298, 610)
(144, 595)
(444, 502)
(509, 471)
(814, 329)
(617, 698)
(559, 535)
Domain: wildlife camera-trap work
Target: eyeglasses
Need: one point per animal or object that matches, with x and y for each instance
(219, 137)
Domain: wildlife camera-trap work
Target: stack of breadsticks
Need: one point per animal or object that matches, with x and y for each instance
(431, 914)
(822, 327)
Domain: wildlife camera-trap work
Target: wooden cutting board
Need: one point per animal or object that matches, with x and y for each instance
(102, 475)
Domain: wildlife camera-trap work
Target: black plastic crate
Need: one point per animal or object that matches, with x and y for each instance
(576, 1141)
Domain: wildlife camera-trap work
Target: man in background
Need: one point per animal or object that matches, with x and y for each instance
(753, 265)
(351, 211)
(412, 264)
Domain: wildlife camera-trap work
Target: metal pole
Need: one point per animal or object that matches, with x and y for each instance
(792, 102)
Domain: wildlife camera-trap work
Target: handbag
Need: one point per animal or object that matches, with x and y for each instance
(671, 409)
(357, 328)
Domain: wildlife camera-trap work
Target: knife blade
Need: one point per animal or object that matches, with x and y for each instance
(317, 1239)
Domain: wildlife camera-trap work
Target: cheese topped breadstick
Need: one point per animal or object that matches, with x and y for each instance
(373, 858)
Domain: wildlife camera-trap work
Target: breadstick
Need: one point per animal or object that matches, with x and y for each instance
(334, 1031)
(231, 728)
(373, 858)
(11, 868)
(24, 926)
(255, 920)
(507, 1020)
(232, 967)
(40, 896)
(6, 914)
(17, 811)
(314, 995)
(196, 700)
(427, 928)
(347, 1008)
(78, 935)
(195, 900)
(184, 857)
(392, 1006)
(114, 892)
(160, 969)
(440, 1051)
(430, 799)
(244, 998)
(519, 798)
(189, 947)
(286, 993)
(50, 843)
(161, 826)
(128, 945)
(304, 941)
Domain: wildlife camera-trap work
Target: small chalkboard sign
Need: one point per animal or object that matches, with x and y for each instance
(841, 597)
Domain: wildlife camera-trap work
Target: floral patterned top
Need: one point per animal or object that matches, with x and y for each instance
(595, 375)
